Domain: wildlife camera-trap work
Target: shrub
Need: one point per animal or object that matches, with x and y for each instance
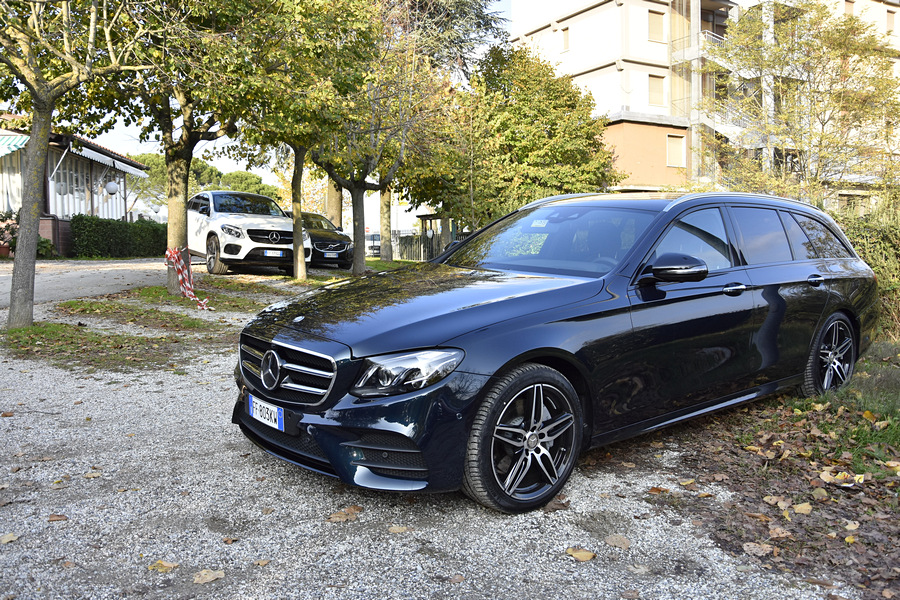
(878, 242)
(93, 237)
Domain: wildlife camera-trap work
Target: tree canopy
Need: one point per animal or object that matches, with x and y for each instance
(804, 102)
(520, 133)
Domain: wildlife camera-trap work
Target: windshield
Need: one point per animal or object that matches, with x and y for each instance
(564, 239)
(246, 203)
(314, 221)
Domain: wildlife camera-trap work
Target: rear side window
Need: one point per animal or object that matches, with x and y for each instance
(763, 236)
(801, 245)
(826, 242)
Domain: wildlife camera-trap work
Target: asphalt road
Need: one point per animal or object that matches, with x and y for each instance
(57, 280)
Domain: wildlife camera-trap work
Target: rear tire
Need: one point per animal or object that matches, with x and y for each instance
(832, 358)
(525, 440)
(214, 264)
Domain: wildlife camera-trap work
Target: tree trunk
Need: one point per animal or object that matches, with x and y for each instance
(446, 236)
(178, 164)
(297, 208)
(21, 294)
(334, 204)
(357, 196)
(387, 250)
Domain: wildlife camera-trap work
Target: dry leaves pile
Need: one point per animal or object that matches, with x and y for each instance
(798, 503)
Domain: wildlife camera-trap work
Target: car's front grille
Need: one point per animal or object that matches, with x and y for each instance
(330, 246)
(268, 236)
(304, 377)
(302, 443)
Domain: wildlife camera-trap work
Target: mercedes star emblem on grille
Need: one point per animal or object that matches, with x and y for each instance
(270, 370)
(274, 237)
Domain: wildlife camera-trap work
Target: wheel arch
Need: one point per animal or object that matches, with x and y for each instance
(570, 368)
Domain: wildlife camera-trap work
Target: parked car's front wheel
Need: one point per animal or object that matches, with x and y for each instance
(525, 440)
(832, 357)
(214, 262)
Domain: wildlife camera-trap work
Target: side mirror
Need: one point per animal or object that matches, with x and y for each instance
(204, 210)
(341, 229)
(676, 267)
(452, 244)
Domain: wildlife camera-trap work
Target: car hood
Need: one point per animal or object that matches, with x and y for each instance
(420, 306)
(246, 221)
(324, 235)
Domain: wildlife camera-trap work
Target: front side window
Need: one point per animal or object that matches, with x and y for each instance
(700, 234)
(564, 239)
(762, 235)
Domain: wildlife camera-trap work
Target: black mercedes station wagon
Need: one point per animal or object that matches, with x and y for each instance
(573, 322)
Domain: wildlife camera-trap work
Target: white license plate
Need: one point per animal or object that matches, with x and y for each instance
(271, 415)
(274, 253)
(330, 254)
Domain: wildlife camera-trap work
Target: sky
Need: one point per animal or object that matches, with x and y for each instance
(125, 140)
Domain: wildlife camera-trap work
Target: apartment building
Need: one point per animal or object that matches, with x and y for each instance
(638, 58)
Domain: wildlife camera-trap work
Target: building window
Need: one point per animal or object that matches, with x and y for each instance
(657, 31)
(890, 22)
(657, 90)
(565, 39)
(675, 152)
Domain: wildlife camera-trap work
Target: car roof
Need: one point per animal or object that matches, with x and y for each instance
(666, 201)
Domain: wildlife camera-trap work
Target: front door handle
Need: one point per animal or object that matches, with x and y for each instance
(815, 280)
(734, 289)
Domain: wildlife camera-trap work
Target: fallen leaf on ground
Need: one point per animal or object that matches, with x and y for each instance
(777, 533)
(851, 525)
(262, 562)
(9, 537)
(630, 595)
(54, 518)
(92, 475)
(580, 554)
(618, 541)
(638, 569)
(754, 549)
(229, 540)
(205, 576)
(398, 529)
(163, 566)
(457, 578)
(345, 514)
(268, 510)
(803, 509)
(657, 490)
(560, 502)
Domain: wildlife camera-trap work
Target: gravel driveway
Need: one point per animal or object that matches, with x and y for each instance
(104, 474)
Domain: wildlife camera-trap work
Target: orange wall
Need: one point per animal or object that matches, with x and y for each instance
(641, 153)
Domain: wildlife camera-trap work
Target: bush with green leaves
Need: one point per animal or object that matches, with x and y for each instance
(878, 242)
(93, 237)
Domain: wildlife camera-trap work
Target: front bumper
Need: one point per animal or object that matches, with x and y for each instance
(411, 442)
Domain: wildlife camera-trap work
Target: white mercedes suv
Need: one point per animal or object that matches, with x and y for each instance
(237, 228)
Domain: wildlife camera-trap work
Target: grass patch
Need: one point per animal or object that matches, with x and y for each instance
(230, 284)
(67, 345)
(125, 313)
(376, 264)
(158, 294)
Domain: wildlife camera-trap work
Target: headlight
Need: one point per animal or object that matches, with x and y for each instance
(400, 373)
(233, 230)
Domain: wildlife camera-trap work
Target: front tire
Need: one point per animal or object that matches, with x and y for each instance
(832, 357)
(525, 440)
(214, 264)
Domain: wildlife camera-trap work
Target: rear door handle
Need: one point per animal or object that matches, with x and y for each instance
(815, 280)
(734, 289)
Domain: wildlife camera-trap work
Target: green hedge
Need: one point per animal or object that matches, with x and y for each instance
(93, 237)
(878, 243)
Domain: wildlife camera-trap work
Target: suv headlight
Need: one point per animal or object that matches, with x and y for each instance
(392, 374)
(232, 230)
